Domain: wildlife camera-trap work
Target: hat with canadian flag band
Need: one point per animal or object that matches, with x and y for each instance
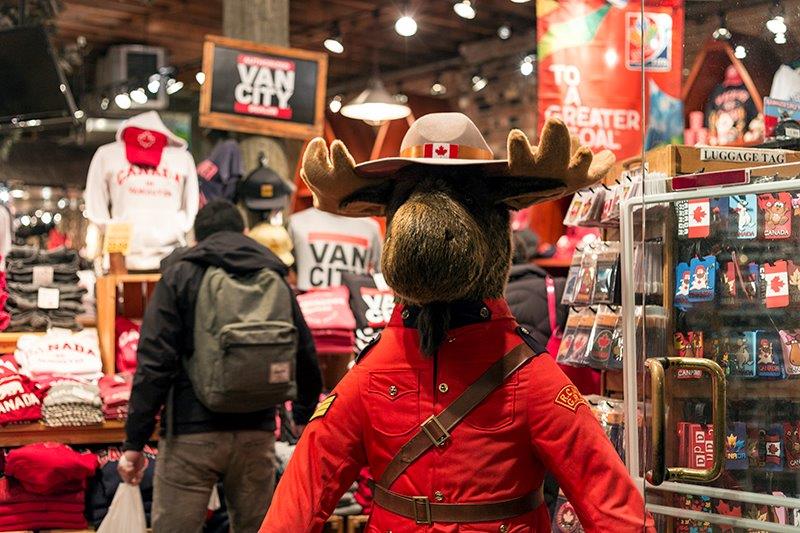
(437, 139)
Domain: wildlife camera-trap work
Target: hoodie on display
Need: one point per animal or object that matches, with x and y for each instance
(166, 338)
(160, 202)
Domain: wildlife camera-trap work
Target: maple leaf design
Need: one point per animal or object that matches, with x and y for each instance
(441, 151)
(773, 449)
(776, 284)
(698, 214)
(603, 341)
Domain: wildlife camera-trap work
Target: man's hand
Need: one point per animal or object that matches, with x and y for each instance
(131, 467)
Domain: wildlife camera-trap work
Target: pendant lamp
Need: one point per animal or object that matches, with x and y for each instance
(375, 105)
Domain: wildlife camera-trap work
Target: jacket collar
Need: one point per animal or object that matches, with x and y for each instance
(462, 313)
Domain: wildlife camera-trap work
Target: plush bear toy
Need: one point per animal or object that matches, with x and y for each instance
(453, 408)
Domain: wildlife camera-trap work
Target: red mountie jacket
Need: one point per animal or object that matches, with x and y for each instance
(535, 422)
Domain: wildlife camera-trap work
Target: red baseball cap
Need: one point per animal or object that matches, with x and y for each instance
(143, 147)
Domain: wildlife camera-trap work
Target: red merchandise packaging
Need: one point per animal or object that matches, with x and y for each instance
(127, 342)
(701, 446)
(50, 468)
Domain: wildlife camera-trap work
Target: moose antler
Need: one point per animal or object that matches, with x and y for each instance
(330, 176)
(558, 158)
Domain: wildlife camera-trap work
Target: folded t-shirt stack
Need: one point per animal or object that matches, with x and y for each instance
(45, 487)
(72, 403)
(20, 398)
(62, 266)
(328, 315)
(60, 354)
(104, 484)
(115, 391)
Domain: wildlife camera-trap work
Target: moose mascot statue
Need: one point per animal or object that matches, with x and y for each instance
(454, 409)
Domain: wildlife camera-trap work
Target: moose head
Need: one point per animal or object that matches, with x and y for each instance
(447, 202)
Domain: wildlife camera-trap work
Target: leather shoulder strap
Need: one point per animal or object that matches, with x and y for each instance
(435, 431)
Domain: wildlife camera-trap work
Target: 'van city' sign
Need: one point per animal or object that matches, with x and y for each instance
(261, 89)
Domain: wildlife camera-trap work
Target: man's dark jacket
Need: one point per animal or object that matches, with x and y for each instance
(527, 297)
(167, 337)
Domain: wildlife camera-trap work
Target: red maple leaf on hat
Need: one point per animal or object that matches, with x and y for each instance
(441, 151)
(698, 214)
(776, 284)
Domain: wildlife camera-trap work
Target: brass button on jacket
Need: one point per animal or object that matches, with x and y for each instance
(392, 390)
(443, 388)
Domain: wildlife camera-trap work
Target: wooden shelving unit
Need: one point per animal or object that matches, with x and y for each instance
(110, 432)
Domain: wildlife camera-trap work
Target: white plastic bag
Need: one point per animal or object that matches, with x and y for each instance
(126, 514)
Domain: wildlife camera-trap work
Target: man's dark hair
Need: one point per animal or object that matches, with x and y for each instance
(216, 216)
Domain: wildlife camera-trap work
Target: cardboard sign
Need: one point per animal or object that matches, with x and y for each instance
(117, 238)
(262, 89)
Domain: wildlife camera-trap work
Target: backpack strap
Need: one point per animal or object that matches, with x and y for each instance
(435, 431)
(551, 303)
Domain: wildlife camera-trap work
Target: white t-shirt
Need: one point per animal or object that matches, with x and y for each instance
(325, 245)
(786, 84)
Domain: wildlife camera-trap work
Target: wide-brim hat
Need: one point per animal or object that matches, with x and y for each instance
(557, 166)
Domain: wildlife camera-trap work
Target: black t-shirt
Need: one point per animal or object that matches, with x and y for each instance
(729, 110)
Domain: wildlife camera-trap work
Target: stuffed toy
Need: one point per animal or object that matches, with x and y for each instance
(452, 408)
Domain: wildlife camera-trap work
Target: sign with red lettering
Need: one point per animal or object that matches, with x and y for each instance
(590, 59)
(262, 89)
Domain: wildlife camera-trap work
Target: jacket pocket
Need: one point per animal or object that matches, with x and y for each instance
(393, 401)
(497, 410)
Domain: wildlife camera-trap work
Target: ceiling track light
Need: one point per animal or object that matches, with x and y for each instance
(464, 9)
(334, 43)
(722, 33)
(526, 66)
(335, 104)
(405, 25)
(479, 82)
(438, 88)
(504, 32)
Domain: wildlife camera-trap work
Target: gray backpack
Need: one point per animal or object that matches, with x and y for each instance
(245, 342)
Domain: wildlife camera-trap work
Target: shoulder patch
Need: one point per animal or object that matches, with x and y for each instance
(323, 407)
(570, 398)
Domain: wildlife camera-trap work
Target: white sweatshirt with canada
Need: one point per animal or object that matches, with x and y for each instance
(159, 203)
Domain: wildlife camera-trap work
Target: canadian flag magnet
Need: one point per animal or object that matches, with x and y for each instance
(699, 218)
(776, 284)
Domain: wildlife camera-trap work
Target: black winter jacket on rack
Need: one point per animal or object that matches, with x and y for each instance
(167, 337)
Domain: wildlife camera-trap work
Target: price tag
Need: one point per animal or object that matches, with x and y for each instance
(42, 275)
(117, 238)
(380, 282)
(47, 298)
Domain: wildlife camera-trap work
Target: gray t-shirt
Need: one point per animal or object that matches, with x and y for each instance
(325, 245)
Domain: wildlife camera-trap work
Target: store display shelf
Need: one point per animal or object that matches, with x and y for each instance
(135, 278)
(738, 389)
(8, 341)
(111, 432)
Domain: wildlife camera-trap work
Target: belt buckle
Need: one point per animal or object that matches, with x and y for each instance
(422, 503)
(442, 437)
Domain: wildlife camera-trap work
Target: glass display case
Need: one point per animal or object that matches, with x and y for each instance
(716, 357)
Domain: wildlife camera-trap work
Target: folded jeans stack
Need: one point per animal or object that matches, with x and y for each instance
(327, 313)
(22, 303)
(115, 391)
(72, 403)
(44, 487)
(60, 354)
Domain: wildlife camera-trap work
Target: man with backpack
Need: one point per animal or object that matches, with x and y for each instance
(222, 343)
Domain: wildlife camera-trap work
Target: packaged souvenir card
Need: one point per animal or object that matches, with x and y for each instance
(575, 207)
(703, 279)
(606, 273)
(775, 284)
(790, 346)
(601, 340)
(578, 352)
(569, 335)
(791, 445)
(744, 219)
(592, 218)
(584, 286)
(683, 279)
(769, 364)
(588, 197)
(742, 353)
(568, 298)
(735, 453)
(776, 212)
(773, 451)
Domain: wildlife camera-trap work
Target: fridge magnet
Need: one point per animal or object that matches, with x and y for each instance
(699, 226)
(791, 444)
(790, 346)
(703, 278)
(683, 277)
(775, 279)
(743, 206)
(735, 455)
(773, 443)
(769, 364)
(742, 353)
(777, 214)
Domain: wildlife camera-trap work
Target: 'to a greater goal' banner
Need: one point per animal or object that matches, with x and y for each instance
(590, 58)
(262, 89)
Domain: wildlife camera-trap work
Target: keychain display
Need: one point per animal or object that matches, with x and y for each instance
(703, 282)
(603, 338)
(573, 319)
(606, 270)
(572, 278)
(580, 344)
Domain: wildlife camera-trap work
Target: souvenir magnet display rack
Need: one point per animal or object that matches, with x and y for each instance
(731, 255)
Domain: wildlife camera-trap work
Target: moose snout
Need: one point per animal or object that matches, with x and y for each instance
(434, 250)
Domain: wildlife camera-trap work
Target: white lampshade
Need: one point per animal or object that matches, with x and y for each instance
(375, 105)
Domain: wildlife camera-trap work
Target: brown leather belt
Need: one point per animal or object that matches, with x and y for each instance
(422, 511)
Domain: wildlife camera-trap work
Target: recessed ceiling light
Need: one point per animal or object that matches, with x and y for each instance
(464, 9)
(406, 26)
(504, 31)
